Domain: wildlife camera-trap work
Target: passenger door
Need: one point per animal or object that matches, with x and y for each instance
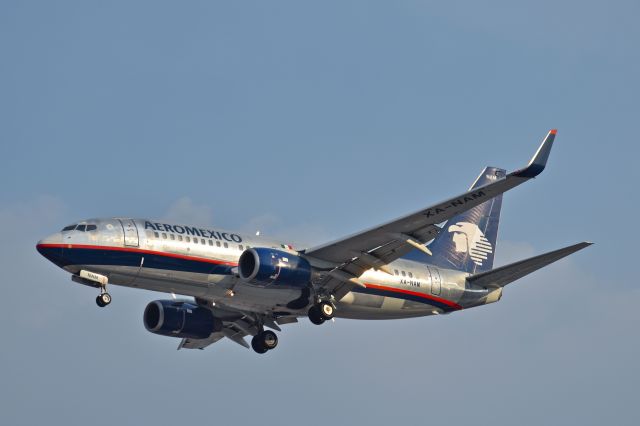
(436, 281)
(130, 232)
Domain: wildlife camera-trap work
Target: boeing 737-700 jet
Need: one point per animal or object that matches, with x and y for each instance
(237, 285)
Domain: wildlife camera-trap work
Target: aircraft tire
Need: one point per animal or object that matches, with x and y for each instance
(258, 344)
(105, 299)
(99, 302)
(315, 316)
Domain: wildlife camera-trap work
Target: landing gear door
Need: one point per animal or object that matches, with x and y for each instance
(130, 232)
(436, 281)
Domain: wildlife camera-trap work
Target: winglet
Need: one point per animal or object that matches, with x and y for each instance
(539, 160)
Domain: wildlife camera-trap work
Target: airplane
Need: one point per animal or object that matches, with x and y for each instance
(434, 261)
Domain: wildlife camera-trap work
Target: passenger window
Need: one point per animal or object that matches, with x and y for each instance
(173, 237)
(179, 237)
(164, 235)
(202, 241)
(81, 228)
(69, 228)
(195, 241)
(91, 227)
(240, 247)
(187, 239)
(396, 271)
(404, 274)
(218, 243)
(210, 242)
(226, 245)
(155, 234)
(410, 275)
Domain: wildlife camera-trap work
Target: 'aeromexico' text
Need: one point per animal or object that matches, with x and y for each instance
(190, 230)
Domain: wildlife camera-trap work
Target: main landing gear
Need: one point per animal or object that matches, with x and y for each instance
(264, 341)
(321, 312)
(103, 298)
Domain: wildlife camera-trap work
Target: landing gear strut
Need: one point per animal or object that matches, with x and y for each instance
(321, 312)
(103, 298)
(264, 341)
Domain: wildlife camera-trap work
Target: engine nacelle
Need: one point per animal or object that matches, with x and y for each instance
(266, 266)
(180, 319)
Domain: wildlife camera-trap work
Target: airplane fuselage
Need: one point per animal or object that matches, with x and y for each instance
(202, 263)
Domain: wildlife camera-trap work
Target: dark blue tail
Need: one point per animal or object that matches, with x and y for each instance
(467, 242)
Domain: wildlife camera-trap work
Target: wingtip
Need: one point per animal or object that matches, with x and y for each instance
(582, 245)
(539, 160)
(553, 131)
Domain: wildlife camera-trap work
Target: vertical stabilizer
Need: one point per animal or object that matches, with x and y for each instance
(467, 242)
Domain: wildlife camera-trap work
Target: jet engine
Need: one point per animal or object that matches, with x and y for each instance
(266, 266)
(180, 319)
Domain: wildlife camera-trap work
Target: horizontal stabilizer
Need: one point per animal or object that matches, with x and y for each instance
(504, 275)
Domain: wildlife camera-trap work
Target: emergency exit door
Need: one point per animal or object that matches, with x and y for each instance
(436, 281)
(130, 232)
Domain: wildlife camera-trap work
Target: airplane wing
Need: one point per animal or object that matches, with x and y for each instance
(235, 329)
(504, 275)
(346, 259)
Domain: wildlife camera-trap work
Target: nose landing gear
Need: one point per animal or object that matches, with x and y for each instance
(95, 280)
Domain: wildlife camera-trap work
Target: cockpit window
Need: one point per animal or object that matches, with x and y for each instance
(81, 228)
(92, 227)
(69, 228)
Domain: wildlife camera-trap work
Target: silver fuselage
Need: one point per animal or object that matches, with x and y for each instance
(201, 263)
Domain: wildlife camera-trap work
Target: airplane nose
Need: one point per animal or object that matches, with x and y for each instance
(51, 248)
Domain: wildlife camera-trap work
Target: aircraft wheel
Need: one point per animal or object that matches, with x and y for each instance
(103, 299)
(258, 345)
(99, 302)
(326, 310)
(269, 339)
(315, 316)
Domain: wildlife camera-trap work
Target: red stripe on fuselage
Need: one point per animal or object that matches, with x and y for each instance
(425, 296)
(446, 302)
(138, 250)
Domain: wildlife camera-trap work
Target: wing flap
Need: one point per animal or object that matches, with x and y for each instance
(504, 275)
(333, 283)
(200, 343)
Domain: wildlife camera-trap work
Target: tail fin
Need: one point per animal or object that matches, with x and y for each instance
(467, 242)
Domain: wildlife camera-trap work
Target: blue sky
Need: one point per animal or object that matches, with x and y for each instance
(311, 120)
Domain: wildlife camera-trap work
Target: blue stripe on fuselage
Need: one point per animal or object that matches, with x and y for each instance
(99, 256)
